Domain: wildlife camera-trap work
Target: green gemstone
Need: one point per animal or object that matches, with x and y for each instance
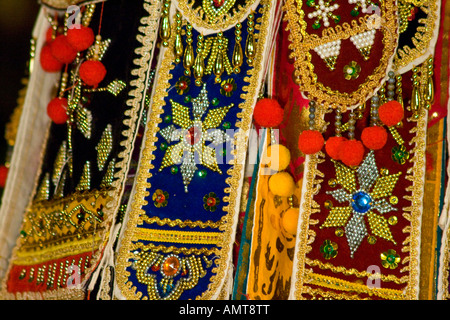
(167, 119)
(226, 125)
(187, 98)
(337, 19)
(23, 233)
(316, 25)
(202, 173)
(163, 146)
(310, 3)
(354, 13)
(224, 152)
(174, 170)
(215, 101)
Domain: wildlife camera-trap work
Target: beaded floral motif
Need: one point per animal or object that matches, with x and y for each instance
(363, 202)
(193, 135)
(168, 276)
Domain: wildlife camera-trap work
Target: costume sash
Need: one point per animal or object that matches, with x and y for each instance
(182, 218)
(85, 160)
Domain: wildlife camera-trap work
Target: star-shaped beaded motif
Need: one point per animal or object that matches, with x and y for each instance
(323, 11)
(192, 135)
(367, 200)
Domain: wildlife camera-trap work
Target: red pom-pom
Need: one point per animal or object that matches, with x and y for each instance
(374, 138)
(56, 110)
(351, 152)
(268, 113)
(3, 176)
(80, 37)
(310, 141)
(62, 50)
(333, 146)
(391, 113)
(92, 72)
(48, 61)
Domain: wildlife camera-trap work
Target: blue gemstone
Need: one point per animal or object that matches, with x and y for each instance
(361, 202)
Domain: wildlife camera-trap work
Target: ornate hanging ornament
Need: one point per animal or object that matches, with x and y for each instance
(83, 167)
(354, 41)
(191, 168)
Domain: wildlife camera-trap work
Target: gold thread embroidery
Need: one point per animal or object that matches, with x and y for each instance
(302, 43)
(193, 237)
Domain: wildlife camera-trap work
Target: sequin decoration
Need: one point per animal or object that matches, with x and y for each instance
(160, 198)
(192, 135)
(210, 202)
(43, 192)
(60, 161)
(85, 180)
(367, 201)
(104, 147)
(109, 175)
(329, 249)
(390, 259)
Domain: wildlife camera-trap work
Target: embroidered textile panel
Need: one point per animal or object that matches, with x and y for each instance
(181, 226)
(85, 161)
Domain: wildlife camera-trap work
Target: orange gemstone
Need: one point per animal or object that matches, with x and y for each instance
(171, 266)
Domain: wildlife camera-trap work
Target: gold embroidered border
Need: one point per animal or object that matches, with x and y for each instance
(426, 31)
(57, 252)
(354, 272)
(155, 235)
(444, 286)
(235, 173)
(342, 285)
(173, 249)
(195, 16)
(180, 223)
(302, 43)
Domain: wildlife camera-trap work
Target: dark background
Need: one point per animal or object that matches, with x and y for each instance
(17, 18)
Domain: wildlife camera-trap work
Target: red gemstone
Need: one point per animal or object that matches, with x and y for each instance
(211, 201)
(155, 268)
(218, 3)
(182, 85)
(193, 136)
(227, 87)
(160, 198)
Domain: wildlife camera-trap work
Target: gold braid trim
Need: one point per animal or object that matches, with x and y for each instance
(422, 39)
(342, 285)
(354, 272)
(180, 223)
(302, 43)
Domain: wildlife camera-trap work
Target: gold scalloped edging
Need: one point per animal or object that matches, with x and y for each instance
(254, 77)
(147, 37)
(422, 39)
(199, 20)
(306, 236)
(302, 43)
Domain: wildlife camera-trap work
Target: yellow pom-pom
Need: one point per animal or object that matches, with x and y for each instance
(278, 156)
(282, 184)
(289, 220)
